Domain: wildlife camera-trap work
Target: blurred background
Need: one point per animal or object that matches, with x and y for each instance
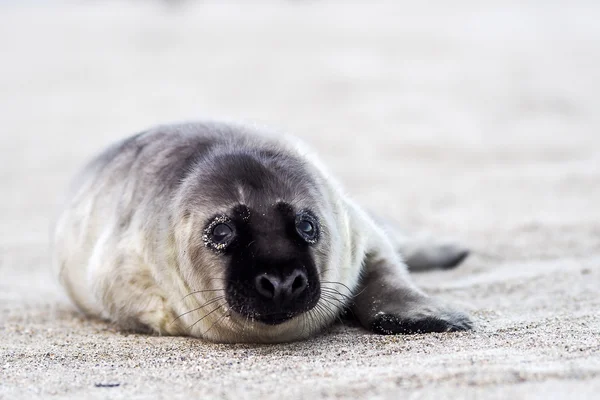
(476, 120)
(472, 119)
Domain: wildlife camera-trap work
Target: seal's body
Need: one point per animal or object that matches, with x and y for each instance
(221, 232)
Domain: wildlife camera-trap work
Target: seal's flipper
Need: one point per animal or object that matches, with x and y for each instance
(422, 253)
(388, 303)
(425, 255)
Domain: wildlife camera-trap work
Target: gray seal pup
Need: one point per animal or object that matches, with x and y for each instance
(230, 234)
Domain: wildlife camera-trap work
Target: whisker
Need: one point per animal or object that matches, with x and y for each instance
(317, 313)
(200, 291)
(305, 317)
(357, 294)
(326, 313)
(338, 283)
(332, 297)
(311, 323)
(335, 292)
(205, 305)
(217, 321)
(298, 321)
(190, 327)
(352, 296)
(332, 289)
(332, 312)
(208, 303)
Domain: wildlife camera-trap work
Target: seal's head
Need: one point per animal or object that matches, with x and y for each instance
(270, 271)
(256, 248)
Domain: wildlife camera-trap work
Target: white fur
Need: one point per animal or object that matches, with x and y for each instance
(142, 276)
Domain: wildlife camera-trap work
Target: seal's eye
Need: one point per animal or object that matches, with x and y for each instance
(307, 227)
(221, 233)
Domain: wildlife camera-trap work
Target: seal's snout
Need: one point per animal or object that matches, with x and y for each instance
(269, 258)
(281, 290)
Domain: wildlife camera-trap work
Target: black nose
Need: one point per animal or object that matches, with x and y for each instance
(281, 289)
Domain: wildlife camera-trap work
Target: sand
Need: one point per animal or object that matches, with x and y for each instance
(476, 121)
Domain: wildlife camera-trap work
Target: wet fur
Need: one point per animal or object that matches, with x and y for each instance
(128, 244)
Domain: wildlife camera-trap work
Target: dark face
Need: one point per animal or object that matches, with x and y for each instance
(271, 274)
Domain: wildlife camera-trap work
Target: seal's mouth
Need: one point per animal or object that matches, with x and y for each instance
(275, 319)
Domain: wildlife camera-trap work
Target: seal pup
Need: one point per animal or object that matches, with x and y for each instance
(230, 234)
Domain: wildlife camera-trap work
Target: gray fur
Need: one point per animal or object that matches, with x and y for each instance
(128, 244)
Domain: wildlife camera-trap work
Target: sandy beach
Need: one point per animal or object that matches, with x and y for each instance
(475, 121)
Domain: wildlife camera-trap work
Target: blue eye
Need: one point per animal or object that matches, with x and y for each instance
(307, 227)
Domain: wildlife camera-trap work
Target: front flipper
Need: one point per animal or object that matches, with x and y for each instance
(391, 324)
(388, 303)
